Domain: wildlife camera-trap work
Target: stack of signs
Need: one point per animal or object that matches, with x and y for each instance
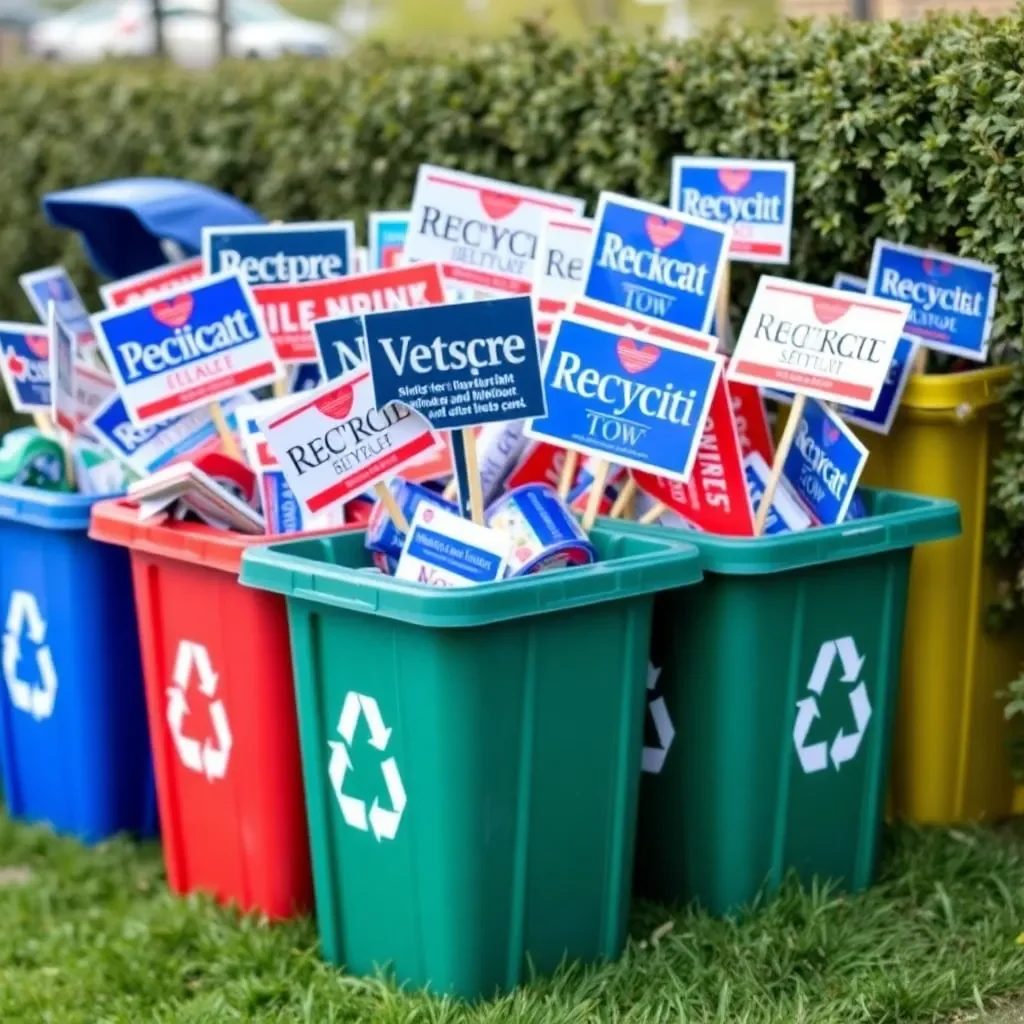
(459, 366)
(562, 253)
(53, 285)
(483, 232)
(339, 442)
(290, 268)
(387, 239)
(952, 299)
(642, 403)
(25, 366)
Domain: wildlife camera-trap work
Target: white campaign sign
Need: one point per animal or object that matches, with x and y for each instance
(814, 757)
(338, 443)
(821, 342)
(562, 253)
(24, 619)
(384, 823)
(211, 757)
(654, 757)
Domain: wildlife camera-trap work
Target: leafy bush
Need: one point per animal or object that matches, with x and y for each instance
(913, 132)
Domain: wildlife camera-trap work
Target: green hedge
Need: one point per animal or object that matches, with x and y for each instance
(914, 132)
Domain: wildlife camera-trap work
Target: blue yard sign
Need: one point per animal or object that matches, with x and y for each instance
(340, 345)
(304, 377)
(281, 253)
(25, 366)
(387, 239)
(824, 463)
(638, 403)
(53, 284)
(654, 263)
(952, 299)
(753, 197)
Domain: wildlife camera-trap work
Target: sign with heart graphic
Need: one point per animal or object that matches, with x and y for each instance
(654, 265)
(636, 401)
(753, 197)
(483, 232)
(25, 366)
(561, 255)
(952, 299)
(819, 342)
(192, 346)
(150, 283)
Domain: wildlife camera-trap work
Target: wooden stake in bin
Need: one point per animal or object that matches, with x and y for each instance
(387, 499)
(622, 502)
(227, 438)
(601, 468)
(722, 307)
(565, 481)
(796, 412)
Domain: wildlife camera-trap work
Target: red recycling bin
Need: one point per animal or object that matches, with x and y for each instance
(220, 701)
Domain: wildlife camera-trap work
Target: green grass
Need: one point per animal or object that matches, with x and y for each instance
(93, 936)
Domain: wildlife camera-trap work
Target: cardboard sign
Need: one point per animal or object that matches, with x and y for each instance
(147, 449)
(93, 387)
(483, 232)
(751, 418)
(821, 342)
(361, 260)
(715, 498)
(849, 282)
(641, 404)
(582, 309)
(539, 464)
(824, 463)
(458, 365)
(387, 238)
(443, 550)
(787, 514)
(562, 253)
(188, 348)
(340, 442)
(340, 345)
(304, 377)
(651, 262)
(63, 404)
(139, 287)
(952, 299)
(753, 197)
(264, 254)
(282, 512)
(250, 434)
(52, 284)
(25, 366)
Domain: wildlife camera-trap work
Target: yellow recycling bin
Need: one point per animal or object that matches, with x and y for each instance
(950, 760)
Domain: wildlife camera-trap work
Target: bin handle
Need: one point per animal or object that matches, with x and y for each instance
(366, 601)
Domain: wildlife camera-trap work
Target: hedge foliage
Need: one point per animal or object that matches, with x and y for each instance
(913, 132)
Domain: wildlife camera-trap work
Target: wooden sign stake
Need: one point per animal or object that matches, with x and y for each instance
(796, 411)
(280, 387)
(565, 482)
(66, 441)
(921, 360)
(227, 439)
(387, 499)
(722, 308)
(624, 499)
(476, 491)
(653, 514)
(601, 468)
(44, 424)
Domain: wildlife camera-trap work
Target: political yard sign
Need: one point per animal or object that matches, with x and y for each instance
(483, 232)
(289, 311)
(387, 239)
(952, 299)
(458, 365)
(63, 399)
(143, 286)
(827, 344)
(562, 253)
(281, 253)
(340, 345)
(25, 366)
(651, 262)
(637, 403)
(753, 197)
(53, 284)
(189, 347)
(337, 443)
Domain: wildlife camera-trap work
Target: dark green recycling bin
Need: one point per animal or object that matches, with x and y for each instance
(471, 757)
(771, 695)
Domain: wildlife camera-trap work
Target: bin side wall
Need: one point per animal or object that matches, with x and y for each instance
(86, 767)
(518, 748)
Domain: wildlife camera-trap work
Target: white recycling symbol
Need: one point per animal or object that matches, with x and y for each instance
(210, 758)
(814, 757)
(382, 821)
(654, 757)
(23, 618)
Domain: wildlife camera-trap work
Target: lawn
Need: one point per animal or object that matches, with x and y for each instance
(93, 936)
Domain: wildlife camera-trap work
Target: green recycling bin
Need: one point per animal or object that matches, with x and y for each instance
(471, 757)
(771, 695)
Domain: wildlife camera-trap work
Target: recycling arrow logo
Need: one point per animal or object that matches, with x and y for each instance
(814, 757)
(24, 619)
(654, 757)
(211, 757)
(383, 822)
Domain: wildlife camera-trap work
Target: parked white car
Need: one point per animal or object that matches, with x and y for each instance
(124, 28)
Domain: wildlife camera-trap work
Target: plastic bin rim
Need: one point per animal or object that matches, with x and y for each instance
(117, 522)
(49, 510)
(670, 563)
(927, 519)
(973, 390)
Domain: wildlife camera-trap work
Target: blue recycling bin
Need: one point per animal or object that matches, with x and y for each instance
(74, 746)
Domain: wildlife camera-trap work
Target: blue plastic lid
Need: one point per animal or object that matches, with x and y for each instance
(122, 222)
(49, 510)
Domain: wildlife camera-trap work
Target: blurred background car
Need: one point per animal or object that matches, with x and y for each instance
(257, 29)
